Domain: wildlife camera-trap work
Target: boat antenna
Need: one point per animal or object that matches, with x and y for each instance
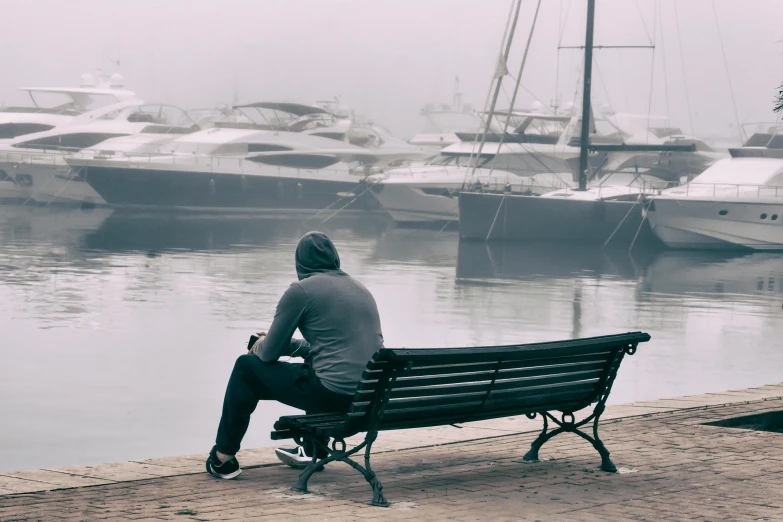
(457, 104)
(584, 139)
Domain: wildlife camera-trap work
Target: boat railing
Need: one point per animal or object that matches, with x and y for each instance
(642, 187)
(731, 189)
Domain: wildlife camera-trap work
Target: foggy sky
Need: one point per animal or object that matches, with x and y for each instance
(387, 58)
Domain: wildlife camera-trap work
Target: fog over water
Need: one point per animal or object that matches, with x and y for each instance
(386, 58)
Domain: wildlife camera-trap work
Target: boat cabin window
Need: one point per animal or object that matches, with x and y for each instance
(776, 142)
(244, 148)
(541, 127)
(72, 142)
(5, 177)
(166, 129)
(339, 136)
(267, 147)
(460, 160)
(12, 130)
(758, 140)
(141, 117)
(296, 161)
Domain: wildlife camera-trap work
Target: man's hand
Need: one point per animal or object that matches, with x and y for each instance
(261, 336)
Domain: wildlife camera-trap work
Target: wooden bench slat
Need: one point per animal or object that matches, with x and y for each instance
(542, 360)
(523, 382)
(422, 369)
(423, 421)
(404, 382)
(470, 397)
(515, 352)
(458, 412)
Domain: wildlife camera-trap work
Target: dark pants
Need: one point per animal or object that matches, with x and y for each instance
(253, 380)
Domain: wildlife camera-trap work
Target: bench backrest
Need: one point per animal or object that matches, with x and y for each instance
(404, 388)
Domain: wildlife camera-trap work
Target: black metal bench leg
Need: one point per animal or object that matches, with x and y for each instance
(304, 476)
(606, 463)
(344, 456)
(532, 455)
(369, 475)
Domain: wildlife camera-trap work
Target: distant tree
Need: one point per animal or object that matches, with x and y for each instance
(779, 99)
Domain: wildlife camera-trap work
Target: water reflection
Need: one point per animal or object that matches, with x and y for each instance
(502, 261)
(715, 273)
(121, 326)
(160, 232)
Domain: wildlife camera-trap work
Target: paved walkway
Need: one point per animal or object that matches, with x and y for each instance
(672, 466)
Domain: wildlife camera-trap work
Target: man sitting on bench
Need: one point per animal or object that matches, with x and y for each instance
(339, 320)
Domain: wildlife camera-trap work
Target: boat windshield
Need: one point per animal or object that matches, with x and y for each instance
(630, 179)
(460, 160)
(765, 135)
(538, 126)
(287, 116)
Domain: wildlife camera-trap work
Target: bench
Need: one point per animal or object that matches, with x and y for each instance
(417, 388)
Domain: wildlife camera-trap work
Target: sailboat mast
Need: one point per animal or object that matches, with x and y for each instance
(584, 140)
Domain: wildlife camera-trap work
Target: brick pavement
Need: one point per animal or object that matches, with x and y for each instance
(672, 467)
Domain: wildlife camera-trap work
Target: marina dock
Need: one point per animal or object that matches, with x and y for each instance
(674, 463)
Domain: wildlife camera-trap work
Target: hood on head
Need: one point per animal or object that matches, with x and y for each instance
(316, 254)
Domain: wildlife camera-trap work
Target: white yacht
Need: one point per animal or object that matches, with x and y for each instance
(430, 193)
(327, 119)
(735, 203)
(49, 108)
(536, 158)
(37, 162)
(234, 169)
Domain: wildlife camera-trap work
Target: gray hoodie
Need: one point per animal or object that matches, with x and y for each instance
(336, 314)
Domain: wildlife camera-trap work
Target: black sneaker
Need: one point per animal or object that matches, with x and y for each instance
(225, 470)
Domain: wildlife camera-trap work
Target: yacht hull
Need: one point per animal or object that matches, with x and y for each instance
(123, 186)
(694, 224)
(50, 184)
(12, 193)
(409, 204)
(496, 217)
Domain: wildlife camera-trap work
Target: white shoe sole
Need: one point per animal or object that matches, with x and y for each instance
(227, 476)
(291, 460)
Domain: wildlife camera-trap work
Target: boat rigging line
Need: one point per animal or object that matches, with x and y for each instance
(641, 224)
(486, 123)
(682, 64)
(652, 75)
(500, 72)
(516, 88)
(740, 130)
(665, 73)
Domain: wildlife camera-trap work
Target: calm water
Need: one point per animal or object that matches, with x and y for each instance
(118, 332)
